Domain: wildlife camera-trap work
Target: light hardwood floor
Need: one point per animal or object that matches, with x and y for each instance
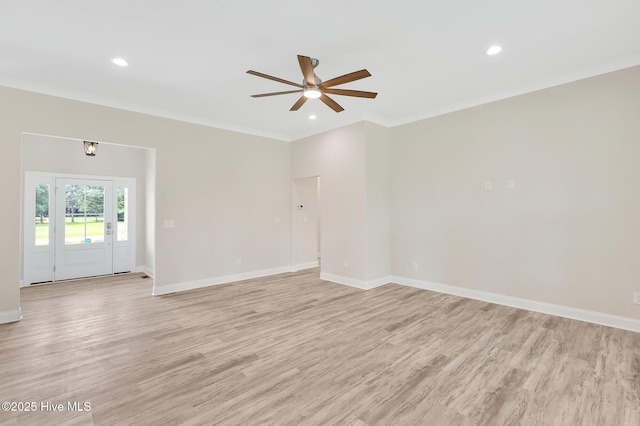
(292, 349)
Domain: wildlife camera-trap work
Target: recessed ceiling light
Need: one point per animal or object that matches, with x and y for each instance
(493, 50)
(120, 62)
(312, 117)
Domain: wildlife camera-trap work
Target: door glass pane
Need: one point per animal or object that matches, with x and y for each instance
(42, 214)
(123, 214)
(94, 214)
(84, 221)
(74, 217)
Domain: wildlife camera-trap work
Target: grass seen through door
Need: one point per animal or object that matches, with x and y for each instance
(76, 232)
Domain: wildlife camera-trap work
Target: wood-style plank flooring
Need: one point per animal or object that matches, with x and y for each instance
(292, 349)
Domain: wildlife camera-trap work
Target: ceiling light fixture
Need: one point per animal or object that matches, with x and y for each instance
(312, 93)
(90, 148)
(120, 62)
(312, 117)
(493, 50)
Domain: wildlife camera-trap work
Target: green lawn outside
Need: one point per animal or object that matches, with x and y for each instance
(75, 232)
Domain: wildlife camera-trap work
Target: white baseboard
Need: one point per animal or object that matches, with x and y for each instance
(600, 318)
(190, 285)
(364, 285)
(23, 284)
(143, 269)
(150, 272)
(351, 282)
(378, 282)
(308, 265)
(10, 316)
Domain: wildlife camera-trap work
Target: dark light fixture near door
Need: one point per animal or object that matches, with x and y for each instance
(90, 148)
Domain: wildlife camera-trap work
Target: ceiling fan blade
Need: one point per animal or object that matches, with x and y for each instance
(262, 95)
(347, 78)
(298, 103)
(279, 80)
(356, 93)
(307, 70)
(331, 103)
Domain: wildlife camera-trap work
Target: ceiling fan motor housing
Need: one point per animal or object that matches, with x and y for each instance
(318, 82)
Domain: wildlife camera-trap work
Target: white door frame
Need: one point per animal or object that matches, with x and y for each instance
(39, 261)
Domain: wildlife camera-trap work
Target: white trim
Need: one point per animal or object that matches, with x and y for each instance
(308, 265)
(351, 282)
(378, 282)
(141, 269)
(75, 176)
(529, 87)
(131, 185)
(11, 316)
(594, 317)
(150, 272)
(59, 92)
(30, 273)
(570, 77)
(343, 280)
(320, 128)
(376, 119)
(190, 285)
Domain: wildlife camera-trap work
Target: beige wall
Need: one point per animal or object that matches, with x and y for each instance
(150, 212)
(60, 155)
(225, 190)
(353, 165)
(377, 202)
(567, 234)
(338, 157)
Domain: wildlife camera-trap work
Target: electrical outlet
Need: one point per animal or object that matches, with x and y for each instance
(345, 264)
(415, 266)
(487, 185)
(636, 297)
(511, 184)
(239, 261)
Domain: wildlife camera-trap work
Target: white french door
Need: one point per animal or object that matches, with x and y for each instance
(84, 226)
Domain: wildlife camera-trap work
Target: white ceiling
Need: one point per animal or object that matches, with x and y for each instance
(188, 59)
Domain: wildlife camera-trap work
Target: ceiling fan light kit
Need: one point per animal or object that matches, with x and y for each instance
(312, 93)
(314, 88)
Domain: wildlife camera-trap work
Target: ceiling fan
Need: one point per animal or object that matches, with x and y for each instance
(313, 88)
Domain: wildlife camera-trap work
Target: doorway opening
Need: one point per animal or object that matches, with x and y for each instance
(306, 240)
(101, 218)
